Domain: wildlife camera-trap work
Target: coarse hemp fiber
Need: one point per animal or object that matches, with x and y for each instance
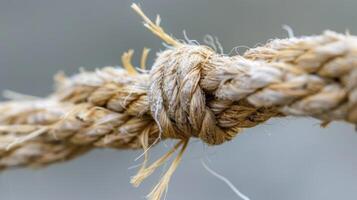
(190, 92)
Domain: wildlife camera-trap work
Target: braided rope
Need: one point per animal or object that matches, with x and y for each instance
(191, 91)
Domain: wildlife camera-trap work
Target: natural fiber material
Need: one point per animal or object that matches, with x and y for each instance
(191, 91)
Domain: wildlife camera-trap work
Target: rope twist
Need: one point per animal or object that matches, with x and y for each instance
(191, 91)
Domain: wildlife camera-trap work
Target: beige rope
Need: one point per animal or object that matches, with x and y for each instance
(191, 91)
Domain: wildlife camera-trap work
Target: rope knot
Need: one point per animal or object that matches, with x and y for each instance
(178, 102)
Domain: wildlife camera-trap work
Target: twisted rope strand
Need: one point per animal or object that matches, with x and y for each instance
(191, 91)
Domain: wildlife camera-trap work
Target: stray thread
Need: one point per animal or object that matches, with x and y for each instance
(226, 181)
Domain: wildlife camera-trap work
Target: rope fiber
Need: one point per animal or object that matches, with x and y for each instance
(190, 92)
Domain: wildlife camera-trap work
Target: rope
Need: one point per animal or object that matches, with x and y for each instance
(191, 91)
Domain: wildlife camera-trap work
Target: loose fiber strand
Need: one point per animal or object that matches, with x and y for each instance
(226, 181)
(144, 173)
(161, 187)
(155, 27)
(22, 139)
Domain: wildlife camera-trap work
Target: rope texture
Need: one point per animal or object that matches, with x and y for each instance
(191, 91)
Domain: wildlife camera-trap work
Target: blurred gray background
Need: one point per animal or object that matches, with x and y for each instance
(283, 159)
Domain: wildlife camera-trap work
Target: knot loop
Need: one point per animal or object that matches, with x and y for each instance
(178, 103)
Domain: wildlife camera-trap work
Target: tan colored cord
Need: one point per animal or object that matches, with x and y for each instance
(190, 92)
